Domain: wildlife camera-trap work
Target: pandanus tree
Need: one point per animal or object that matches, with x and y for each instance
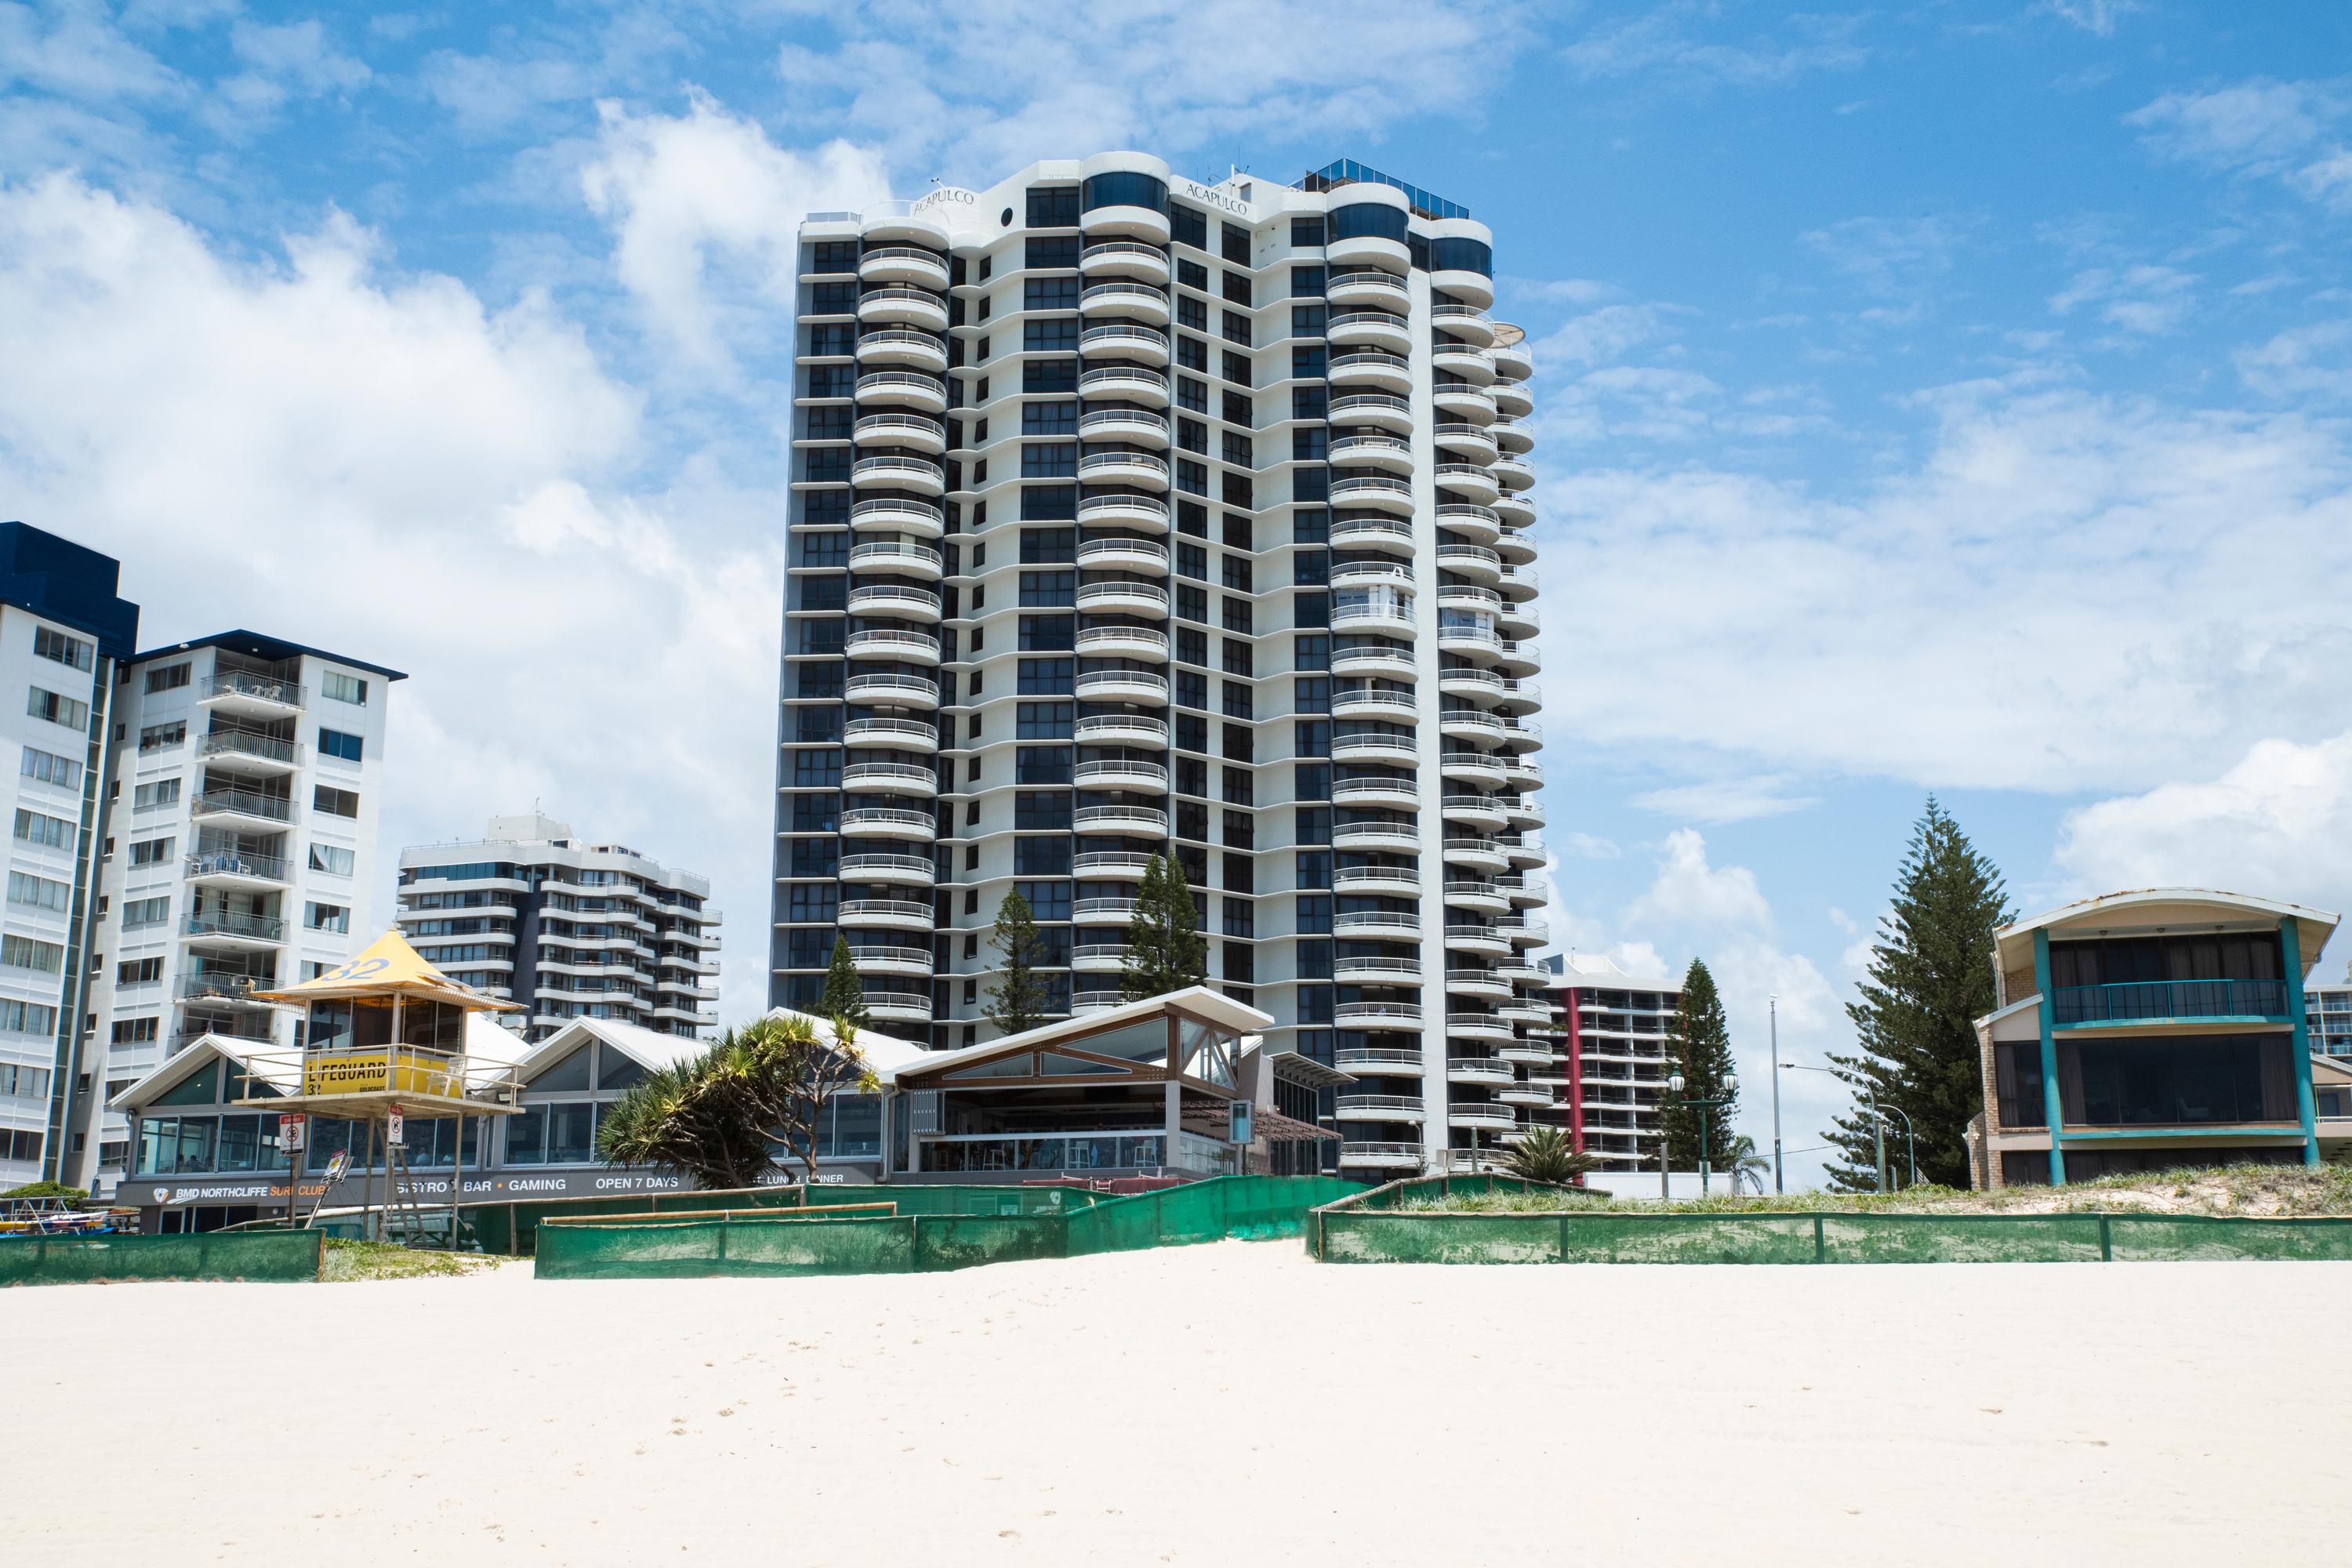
(718, 1117)
(1547, 1154)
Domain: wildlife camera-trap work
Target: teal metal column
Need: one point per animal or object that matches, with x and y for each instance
(2052, 1108)
(2291, 954)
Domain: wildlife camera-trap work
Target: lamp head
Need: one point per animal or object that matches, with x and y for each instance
(1731, 1083)
(1676, 1083)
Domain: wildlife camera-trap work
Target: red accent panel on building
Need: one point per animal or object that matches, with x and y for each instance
(1568, 998)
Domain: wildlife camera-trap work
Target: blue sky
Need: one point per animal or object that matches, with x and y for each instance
(1949, 397)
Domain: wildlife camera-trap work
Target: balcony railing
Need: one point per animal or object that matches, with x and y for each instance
(2140, 1001)
(221, 922)
(241, 683)
(244, 803)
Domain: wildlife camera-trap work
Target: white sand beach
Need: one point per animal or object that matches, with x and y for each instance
(1211, 1404)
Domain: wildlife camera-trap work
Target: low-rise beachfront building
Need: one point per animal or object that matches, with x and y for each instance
(2141, 1031)
(1144, 1088)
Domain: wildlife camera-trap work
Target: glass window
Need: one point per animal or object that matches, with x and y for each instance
(1370, 220)
(1121, 189)
(1462, 256)
(336, 743)
(343, 688)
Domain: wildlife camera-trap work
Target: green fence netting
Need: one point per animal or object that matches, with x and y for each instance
(269, 1256)
(935, 1227)
(1370, 1228)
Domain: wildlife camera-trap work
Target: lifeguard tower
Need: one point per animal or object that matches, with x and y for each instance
(383, 1043)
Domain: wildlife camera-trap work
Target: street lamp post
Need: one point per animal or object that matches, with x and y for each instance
(1911, 1143)
(1877, 1122)
(1778, 1187)
(1730, 1095)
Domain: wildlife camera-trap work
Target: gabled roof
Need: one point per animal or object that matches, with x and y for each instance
(652, 1050)
(389, 967)
(198, 1054)
(1198, 1000)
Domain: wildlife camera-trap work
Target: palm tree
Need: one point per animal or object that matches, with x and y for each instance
(1746, 1165)
(714, 1116)
(1546, 1155)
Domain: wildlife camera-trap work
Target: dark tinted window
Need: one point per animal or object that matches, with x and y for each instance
(1125, 190)
(1462, 256)
(1370, 220)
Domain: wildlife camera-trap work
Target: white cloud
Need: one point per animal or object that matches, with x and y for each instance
(328, 451)
(2064, 593)
(1688, 891)
(2313, 360)
(77, 51)
(2137, 300)
(1893, 257)
(1598, 337)
(2092, 15)
(2278, 824)
(295, 60)
(1671, 40)
(2287, 130)
(1738, 799)
(705, 210)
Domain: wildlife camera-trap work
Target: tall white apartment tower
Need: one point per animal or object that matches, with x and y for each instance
(246, 773)
(1133, 512)
(568, 928)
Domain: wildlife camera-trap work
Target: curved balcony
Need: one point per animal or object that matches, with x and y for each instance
(1468, 322)
(1474, 366)
(1477, 1027)
(917, 474)
(1370, 329)
(897, 555)
(903, 264)
(1524, 932)
(1367, 286)
(1513, 361)
(1121, 772)
(1521, 736)
(1368, 251)
(1525, 854)
(1111, 864)
(1123, 597)
(887, 822)
(889, 778)
(903, 389)
(1373, 574)
(1128, 382)
(1146, 224)
(1377, 490)
(1472, 767)
(1115, 910)
(1380, 533)
(905, 870)
(1476, 854)
(1471, 561)
(1377, 924)
(1378, 1061)
(1379, 450)
(905, 307)
(896, 222)
(1380, 410)
(1517, 548)
(1394, 882)
(1475, 523)
(914, 961)
(1124, 468)
(1523, 812)
(1144, 344)
(899, 1006)
(917, 431)
(1514, 437)
(1375, 747)
(1124, 256)
(1382, 971)
(1130, 554)
(885, 642)
(1379, 1107)
(885, 914)
(1477, 983)
(1526, 1094)
(1517, 619)
(1124, 821)
(892, 599)
(1140, 425)
(1533, 1013)
(1469, 404)
(1514, 473)
(1387, 615)
(1481, 1114)
(1391, 838)
(1099, 958)
(1128, 297)
(1471, 443)
(1473, 641)
(900, 734)
(1473, 811)
(1369, 370)
(1515, 659)
(1373, 659)
(1123, 642)
(1383, 706)
(1459, 680)
(1470, 481)
(903, 348)
(1512, 400)
(1124, 511)
(1397, 1016)
(1122, 730)
(1376, 791)
(1514, 511)
(1469, 724)
(1481, 897)
(1382, 1156)
(1478, 1069)
(1085, 1002)
(1470, 288)
(1464, 937)
(1123, 686)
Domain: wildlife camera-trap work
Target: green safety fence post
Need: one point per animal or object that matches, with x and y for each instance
(2107, 1241)
(1820, 1247)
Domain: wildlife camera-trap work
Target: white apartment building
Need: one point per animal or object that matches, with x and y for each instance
(570, 929)
(239, 855)
(1131, 511)
(1615, 1026)
(63, 633)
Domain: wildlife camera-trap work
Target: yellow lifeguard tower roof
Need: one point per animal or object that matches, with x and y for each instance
(389, 967)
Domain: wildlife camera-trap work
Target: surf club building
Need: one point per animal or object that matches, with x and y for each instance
(2156, 1029)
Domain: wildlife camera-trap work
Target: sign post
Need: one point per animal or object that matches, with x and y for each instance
(394, 1136)
(293, 1135)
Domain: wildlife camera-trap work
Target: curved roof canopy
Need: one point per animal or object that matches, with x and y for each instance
(2143, 912)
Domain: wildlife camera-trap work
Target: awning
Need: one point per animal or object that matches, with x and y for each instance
(1275, 1128)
